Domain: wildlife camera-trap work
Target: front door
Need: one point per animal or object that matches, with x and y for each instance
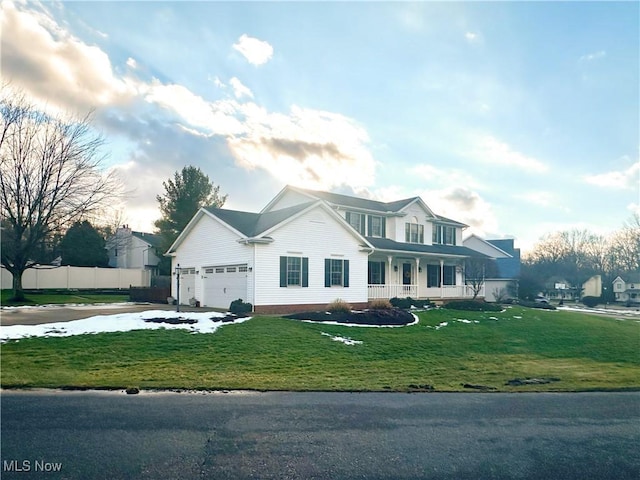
(406, 274)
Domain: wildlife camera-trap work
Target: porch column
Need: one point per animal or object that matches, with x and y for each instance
(417, 277)
(441, 278)
(389, 281)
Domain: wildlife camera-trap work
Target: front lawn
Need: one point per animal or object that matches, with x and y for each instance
(48, 298)
(445, 351)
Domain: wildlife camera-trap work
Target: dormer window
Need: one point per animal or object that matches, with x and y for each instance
(444, 235)
(356, 220)
(413, 232)
(376, 226)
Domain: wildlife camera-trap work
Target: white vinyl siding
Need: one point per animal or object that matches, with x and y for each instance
(211, 243)
(316, 235)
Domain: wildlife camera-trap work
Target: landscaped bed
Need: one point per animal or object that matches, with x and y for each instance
(385, 317)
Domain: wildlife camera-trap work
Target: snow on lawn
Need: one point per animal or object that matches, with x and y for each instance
(615, 311)
(196, 322)
(345, 340)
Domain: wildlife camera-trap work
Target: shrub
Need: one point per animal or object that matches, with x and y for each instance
(591, 301)
(530, 304)
(338, 305)
(380, 304)
(408, 302)
(472, 305)
(239, 307)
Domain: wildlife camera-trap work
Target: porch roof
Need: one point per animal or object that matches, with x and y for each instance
(386, 244)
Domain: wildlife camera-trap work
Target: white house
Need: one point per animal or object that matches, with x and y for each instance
(130, 249)
(502, 282)
(627, 289)
(307, 248)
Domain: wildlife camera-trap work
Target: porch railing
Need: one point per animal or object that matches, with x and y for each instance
(390, 291)
(402, 291)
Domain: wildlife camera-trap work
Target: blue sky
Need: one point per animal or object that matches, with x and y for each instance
(516, 118)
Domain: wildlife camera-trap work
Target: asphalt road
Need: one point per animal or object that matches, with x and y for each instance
(110, 435)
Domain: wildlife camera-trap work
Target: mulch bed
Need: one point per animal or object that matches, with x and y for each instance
(393, 316)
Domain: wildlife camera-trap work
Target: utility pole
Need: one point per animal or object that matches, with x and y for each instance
(178, 287)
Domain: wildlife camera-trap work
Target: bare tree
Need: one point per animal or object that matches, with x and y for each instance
(625, 246)
(476, 271)
(50, 176)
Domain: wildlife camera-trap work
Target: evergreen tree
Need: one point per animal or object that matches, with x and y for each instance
(83, 246)
(188, 191)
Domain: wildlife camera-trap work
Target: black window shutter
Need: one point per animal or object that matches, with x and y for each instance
(283, 271)
(347, 217)
(407, 232)
(345, 272)
(382, 276)
(363, 219)
(384, 227)
(369, 225)
(305, 271)
(327, 272)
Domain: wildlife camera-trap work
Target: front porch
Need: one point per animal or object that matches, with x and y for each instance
(419, 277)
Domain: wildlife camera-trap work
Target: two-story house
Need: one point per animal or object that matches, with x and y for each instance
(627, 289)
(131, 249)
(306, 248)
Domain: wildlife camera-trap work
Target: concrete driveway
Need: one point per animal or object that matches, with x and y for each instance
(65, 313)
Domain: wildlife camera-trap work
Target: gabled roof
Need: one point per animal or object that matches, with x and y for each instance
(629, 277)
(357, 202)
(253, 224)
(448, 221)
(453, 250)
(150, 238)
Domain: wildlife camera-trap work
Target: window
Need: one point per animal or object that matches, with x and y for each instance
(444, 235)
(208, 270)
(356, 220)
(220, 270)
(376, 273)
(336, 272)
(294, 272)
(376, 226)
(243, 268)
(449, 275)
(413, 233)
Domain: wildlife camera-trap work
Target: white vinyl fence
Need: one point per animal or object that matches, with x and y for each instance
(78, 277)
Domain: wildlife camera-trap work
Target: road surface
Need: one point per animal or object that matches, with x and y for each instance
(236, 435)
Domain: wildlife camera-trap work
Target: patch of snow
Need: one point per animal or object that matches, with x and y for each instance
(74, 306)
(443, 324)
(463, 320)
(493, 318)
(122, 322)
(517, 316)
(345, 340)
(601, 310)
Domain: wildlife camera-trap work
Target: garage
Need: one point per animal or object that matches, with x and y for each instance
(223, 284)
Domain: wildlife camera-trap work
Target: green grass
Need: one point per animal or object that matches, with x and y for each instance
(586, 352)
(60, 298)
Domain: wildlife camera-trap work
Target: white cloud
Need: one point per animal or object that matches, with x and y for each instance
(131, 63)
(628, 179)
(488, 149)
(589, 57)
(257, 52)
(464, 205)
(240, 90)
(474, 37)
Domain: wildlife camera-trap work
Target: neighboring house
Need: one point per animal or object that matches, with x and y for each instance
(561, 289)
(627, 289)
(130, 249)
(504, 284)
(307, 248)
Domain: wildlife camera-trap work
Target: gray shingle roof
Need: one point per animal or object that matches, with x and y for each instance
(253, 224)
(151, 238)
(388, 244)
(355, 202)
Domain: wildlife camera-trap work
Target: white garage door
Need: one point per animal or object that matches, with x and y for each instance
(224, 284)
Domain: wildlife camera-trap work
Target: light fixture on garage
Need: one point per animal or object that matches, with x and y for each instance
(178, 287)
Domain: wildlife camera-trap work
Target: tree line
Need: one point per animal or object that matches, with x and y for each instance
(574, 256)
(53, 181)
